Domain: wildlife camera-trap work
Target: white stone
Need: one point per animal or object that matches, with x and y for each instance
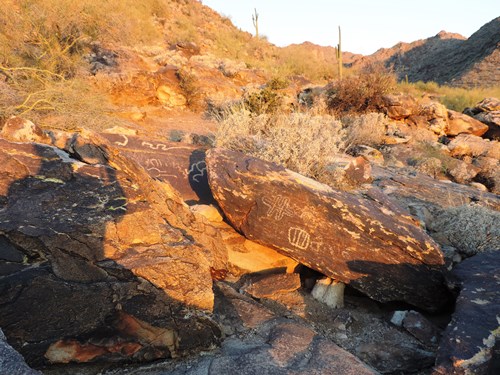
(330, 292)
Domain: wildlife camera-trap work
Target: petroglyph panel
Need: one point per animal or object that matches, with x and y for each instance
(182, 165)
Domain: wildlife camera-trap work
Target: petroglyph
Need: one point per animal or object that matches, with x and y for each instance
(124, 143)
(279, 206)
(299, 238)
(157, 146)
(155, 168)
(198, 170)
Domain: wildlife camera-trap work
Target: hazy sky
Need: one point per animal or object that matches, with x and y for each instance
(366, 25)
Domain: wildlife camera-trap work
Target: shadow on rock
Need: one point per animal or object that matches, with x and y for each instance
(90, 266)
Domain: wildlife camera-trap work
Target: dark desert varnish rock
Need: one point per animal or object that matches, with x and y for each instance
(471, 339)
(182, 165)
(99, 262)
(367, 242)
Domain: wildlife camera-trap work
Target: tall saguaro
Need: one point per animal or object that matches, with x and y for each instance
(338, 50)
(255, 20)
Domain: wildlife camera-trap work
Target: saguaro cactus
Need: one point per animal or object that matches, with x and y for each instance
(255, 20)
(338, 51)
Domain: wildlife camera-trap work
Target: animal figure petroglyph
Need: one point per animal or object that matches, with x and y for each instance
(198, 169)
(157, 146)
(155, 168)
(124, 143)
(279, 206)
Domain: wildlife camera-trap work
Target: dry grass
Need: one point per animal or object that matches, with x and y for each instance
(299, 141)
(454, 98)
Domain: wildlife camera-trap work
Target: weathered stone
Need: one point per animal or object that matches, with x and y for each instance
(253, 257)
(424, 190)
(369, 153)
(182, 165)
(436, 115)
(270, 285)
(417, 325)
(489, 174)
(399, 107)
(170, 97)
(471, 145)
(459, 123)
(488, 105)
(108, 255)
(330, 292)
(467, 346)
(463, 172)
(367, 242)
(17, 129)
(210, 212)
(492, 119)
(389, 357)
(11, 362)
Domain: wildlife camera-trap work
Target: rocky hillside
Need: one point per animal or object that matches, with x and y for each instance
(446, 58)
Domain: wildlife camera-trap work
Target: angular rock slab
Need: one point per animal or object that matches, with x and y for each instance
(470, 340)
(93, 262)
(182, 165)
(366, 242)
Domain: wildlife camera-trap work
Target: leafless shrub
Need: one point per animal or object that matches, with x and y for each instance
(368, 129)
(470, 229)
(300, 141)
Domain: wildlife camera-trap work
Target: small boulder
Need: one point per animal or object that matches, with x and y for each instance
(330, 292)
(492, 119)
(399, 107)
(17, 129)
(459, 123)
(270, 285)
(418, 326)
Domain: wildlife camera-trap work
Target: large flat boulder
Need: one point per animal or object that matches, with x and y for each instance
(367, 242)
(98, 261)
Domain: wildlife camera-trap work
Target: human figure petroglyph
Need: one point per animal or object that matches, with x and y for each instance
(279, 206)
(299, 238)
(198, 169)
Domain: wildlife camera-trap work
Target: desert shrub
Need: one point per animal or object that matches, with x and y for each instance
(360, 94)
(299, 141)
(470, 229)
(265, 100)
(366, 129)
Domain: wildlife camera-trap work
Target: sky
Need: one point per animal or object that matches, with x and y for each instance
(366, 25)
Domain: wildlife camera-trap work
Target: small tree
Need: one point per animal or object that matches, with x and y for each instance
(255, 20)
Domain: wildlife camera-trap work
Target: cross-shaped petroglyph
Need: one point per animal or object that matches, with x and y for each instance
(279, 206)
